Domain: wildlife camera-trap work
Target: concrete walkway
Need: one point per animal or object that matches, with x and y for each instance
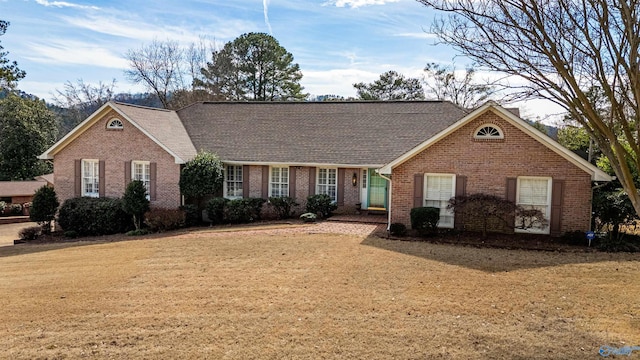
(9, 232)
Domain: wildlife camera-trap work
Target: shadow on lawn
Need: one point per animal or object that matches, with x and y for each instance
(493, 259)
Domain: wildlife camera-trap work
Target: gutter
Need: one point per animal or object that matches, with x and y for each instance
(389, 201)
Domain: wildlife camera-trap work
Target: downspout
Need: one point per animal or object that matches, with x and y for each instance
(389, 201)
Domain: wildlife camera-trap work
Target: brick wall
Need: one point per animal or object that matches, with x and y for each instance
(487, 165)
(116, 147)
(351, 193)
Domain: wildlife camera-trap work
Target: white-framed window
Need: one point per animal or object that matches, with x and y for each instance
(326, 183)
(534, 193)
(115, 124)
(90, 178)
(233, 181)
(438, 189)
(141, 170)
(279, 181)
(488, 131)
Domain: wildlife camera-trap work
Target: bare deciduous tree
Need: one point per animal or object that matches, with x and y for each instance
(78, 101)
(159, 66)
(442, 83)
(563, 49)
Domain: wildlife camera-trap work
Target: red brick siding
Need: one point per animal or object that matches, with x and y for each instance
(487, 165)
(115, 147)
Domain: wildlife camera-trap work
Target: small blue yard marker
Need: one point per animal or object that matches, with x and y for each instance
(590, 236)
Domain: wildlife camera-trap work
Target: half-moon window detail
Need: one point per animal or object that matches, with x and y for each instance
(489, 131)
(115, 124)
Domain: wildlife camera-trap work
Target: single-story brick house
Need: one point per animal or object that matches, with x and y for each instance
(390, 156)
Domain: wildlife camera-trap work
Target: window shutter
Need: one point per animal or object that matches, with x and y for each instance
(265, 182)
(418, 190)
(512, 184)
(340, 186)
(127, 173)
(312, 181)
(292, 181)
(557, 196)
(461, 190)
(101, 182)
(246, 185)
(153, 172)
(77, 178)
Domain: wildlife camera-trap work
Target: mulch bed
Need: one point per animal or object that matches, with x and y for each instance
(495, 240)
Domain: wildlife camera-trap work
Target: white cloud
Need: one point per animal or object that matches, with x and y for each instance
(63, 4)
(265, 7)
(142, 31)
(418, 35)
(75, 53)
(358, 3)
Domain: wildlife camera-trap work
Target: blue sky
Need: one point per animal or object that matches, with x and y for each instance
(335, 42)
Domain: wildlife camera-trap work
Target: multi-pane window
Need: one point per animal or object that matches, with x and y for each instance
(326, 183)
(364, 179)
(489, 132)
(534, 193)
(279, 182)
(90, 178)
(233, 181)
(438, 189)
(141, 170)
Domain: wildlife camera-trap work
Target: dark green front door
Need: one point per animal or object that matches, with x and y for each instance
(377, 190)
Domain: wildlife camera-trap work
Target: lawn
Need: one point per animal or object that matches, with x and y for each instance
(306, 295)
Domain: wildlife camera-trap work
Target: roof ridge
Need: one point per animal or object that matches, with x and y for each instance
(322, 102)
(140, 106)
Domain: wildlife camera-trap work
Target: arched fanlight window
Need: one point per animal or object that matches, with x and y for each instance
(115, 124)
(488, 131)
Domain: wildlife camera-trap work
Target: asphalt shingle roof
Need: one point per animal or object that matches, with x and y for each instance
(358, 133)
(163, 125)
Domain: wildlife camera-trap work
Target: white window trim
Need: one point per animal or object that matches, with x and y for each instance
(453, 193)
(224, 183)
(84, 163)
(115, 124)
(546, 230)
(133, 174)
(271, 177)
(486, 137)
(334, 200)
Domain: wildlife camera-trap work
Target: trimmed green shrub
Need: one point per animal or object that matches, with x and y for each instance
(398, 229)
(283, 206)
(43, 208)
(160, 219)
(577, 237)
(135, 202)
(321, 204)
(15, 209)
(70, 234)
(215, 210)
(192, 218)
(243, 210)
(625, 243)
(30, 233)
(425, 220)
(94, 216)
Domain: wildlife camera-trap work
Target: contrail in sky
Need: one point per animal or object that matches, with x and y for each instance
(265, 6)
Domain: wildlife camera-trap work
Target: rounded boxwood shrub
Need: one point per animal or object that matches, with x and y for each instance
(321, 204)
(215, 210)
(94, 216)
(398, 229)
(425, 220)
(243, 210)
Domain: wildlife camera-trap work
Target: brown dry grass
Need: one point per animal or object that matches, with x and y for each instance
(273, 295)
